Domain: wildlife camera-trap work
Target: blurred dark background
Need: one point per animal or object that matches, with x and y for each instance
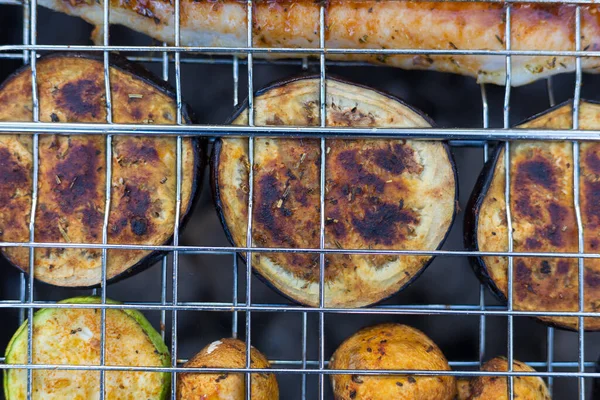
(452, 101)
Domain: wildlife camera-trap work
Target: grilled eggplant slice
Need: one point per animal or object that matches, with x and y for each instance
(226, 353)
(380, 194)
(391, 346)
(72, 170)
(496, 388)
(71, 336)
(543, 217)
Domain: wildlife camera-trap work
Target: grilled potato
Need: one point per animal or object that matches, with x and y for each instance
(391, 346)
(496, 388)
(226, 353)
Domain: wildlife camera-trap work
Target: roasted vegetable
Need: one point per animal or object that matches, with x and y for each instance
(380, 194)
(391, 346)
(371, 24)
(226, 353)
(72, 170)
(71, 336)
(543, 219)
(496, 388)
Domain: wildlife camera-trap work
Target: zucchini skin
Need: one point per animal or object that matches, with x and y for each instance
(137, 316)
(555, 117)
(218, 195)
(195, 147)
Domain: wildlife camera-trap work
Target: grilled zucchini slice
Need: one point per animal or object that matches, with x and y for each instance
(71, 336)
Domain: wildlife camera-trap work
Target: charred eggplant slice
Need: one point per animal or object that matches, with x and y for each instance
(380, 194)
(543, 217)
(72, 170)
(72, 336)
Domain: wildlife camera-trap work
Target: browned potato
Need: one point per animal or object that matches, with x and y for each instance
(391, 346)
(463, 388)
(226, 353)
(495, 388)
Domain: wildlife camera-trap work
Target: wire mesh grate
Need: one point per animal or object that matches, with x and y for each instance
(176, 55)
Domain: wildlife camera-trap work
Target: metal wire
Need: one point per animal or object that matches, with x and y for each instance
(29, 51)
(453, 134)
(250, 201)
(577, 206)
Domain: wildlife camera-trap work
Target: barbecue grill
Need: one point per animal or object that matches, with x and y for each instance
(202, 291)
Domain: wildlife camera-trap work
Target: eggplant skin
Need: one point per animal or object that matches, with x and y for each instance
(380, 194)
(72, 336)
(72, 170)
(226, 353)
(391, 346)
(370, 24)
(544, 220)
(496, 388)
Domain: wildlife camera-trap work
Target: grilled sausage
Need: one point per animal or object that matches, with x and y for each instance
(371, 24)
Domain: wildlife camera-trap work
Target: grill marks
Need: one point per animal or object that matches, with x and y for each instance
(75, 175)
(544, 220)
(590, 207)
(542, 201)
(360, 185)
(81, 99)
(366, 184)
(14, 177)
(287, 203)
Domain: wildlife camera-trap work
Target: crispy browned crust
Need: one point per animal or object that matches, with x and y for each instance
(71, 188)
(391, 346)
(226, 353)
(380, 194)
(544, 220)
(372, 24)
(496, 388)
(463, 388)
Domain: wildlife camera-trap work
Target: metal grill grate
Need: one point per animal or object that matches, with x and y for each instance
(176, 56)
